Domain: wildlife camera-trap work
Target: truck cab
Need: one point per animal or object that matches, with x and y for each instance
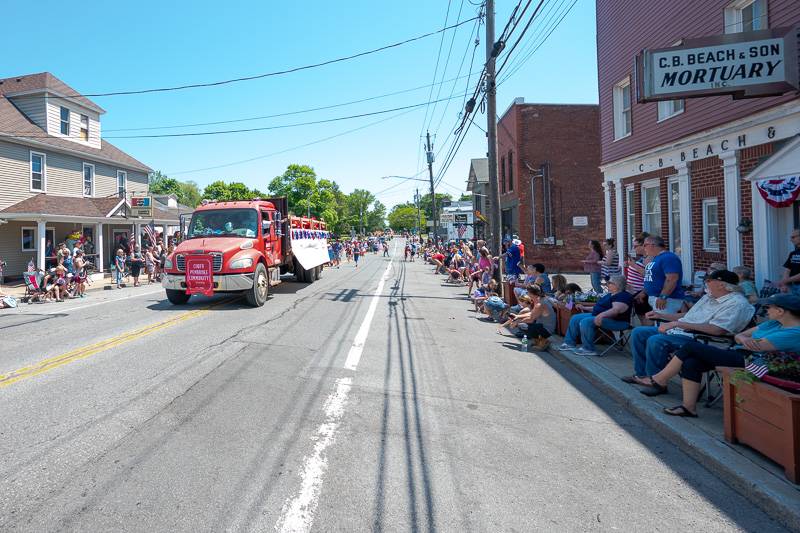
(245, 242)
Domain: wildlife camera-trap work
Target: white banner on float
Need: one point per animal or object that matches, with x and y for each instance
(310, 247)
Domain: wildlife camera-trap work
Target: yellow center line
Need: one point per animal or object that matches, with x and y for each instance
(83, 352)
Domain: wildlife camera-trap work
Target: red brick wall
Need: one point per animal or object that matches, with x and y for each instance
(625, 27)
(707, 181)
(566, 137)
(750, 158)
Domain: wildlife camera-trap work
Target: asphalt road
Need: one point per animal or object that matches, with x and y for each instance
(370, 400)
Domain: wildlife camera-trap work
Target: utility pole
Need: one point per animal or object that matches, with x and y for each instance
(429, 153)
(492, 50)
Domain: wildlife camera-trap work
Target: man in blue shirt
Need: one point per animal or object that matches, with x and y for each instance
(662, 277)
(513, 259)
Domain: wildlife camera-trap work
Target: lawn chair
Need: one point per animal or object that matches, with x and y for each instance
(616, 338)
(34, 287)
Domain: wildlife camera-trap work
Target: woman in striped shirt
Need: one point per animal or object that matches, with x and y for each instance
(610, 265)
(634, 273)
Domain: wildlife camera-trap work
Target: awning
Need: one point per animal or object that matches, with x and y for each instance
(778, 177)
(76, 209)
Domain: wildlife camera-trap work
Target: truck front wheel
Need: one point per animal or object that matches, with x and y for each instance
(177, 297)
(257, 295)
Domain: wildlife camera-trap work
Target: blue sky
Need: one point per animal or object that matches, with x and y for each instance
(127, 45)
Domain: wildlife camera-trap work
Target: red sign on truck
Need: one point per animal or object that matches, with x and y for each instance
(199, 275)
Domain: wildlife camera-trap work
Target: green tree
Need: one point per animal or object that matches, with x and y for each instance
(299, 185)
(425, 203)
(221, 191)
(465, 197)
(186, 192)
(403, 217)
(376, 217)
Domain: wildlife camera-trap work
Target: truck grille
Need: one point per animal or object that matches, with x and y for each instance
(216, 258)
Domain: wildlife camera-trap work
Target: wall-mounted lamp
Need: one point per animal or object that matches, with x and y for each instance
(745, 226)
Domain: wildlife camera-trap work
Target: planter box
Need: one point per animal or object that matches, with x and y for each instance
(767, 419)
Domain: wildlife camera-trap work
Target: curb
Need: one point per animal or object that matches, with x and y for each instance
(773, 496)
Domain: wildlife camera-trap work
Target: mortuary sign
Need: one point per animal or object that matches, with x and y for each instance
(745, 65)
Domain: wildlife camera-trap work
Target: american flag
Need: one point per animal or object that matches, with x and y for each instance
(150, 229)
(757, 366)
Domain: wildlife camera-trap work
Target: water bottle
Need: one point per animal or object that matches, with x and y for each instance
(523, 347)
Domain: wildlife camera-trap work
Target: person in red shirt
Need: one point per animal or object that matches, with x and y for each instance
(438, 260)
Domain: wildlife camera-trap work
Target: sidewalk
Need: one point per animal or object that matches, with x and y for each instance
(754, 476)
(17, 288)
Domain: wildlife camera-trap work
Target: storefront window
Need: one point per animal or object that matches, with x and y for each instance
(710, 225)
(651, 219)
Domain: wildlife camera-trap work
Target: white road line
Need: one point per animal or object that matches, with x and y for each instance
(297, 514)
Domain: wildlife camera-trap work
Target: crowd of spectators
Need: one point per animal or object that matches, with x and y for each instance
(673, 327)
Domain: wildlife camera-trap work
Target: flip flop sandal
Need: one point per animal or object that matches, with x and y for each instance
(654, 389)
(679, 410)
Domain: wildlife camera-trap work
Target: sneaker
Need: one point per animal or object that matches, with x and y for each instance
(584, 351)
(565, 347)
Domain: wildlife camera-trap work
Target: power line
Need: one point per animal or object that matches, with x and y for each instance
(547, 16)
(446, 63)
(476, 41)
(552, 29)
(244, 130)
(271, 154)
(435, 69)
(268, 74)
(521, 35)
(288, 113)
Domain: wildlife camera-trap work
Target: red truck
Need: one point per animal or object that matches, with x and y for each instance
(247, 245)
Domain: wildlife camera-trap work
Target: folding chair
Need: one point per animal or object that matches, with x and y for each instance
(713, 379)
(34, 288)
(617, 338)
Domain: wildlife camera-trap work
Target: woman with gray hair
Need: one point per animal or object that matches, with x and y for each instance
(612, 311)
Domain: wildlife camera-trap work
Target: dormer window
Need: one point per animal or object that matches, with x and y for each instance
(84, 128)
(64, 121)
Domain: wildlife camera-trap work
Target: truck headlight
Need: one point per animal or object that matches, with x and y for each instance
(168, 263)
(244, 262)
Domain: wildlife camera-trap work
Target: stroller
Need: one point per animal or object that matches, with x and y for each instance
(36, 290)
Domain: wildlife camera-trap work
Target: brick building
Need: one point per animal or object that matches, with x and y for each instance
(688, 169)
(546, 154)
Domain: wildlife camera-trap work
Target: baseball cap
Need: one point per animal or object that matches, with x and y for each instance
(724, 275)
(786, 301)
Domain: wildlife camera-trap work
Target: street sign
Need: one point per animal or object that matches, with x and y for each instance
(446, 218)
(141, 206)
(746, 64)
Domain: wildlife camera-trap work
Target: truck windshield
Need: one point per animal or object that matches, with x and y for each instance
(224, 223)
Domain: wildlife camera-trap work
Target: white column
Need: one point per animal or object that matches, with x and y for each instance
(733, 212)
(685, 194)
(99, 247)
(619, 211)
(763, 227)
(41, 237)
(607, 198)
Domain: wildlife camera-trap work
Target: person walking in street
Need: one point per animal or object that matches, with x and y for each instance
(791, 268)
(591, 265)
(386, 249)
(663, 277)
(356, 253)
